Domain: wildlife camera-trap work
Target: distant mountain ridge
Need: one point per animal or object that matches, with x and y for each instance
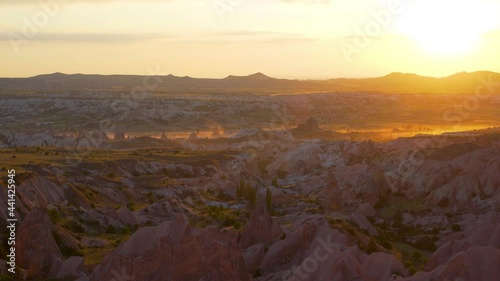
(396, 82)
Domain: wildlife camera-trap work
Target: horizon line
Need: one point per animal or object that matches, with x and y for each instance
(248, 75)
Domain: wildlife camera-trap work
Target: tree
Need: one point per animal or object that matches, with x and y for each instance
(269, 200)
(372, 246)
(252, 195)
(240, 189)
(275, 182)
(247, 191)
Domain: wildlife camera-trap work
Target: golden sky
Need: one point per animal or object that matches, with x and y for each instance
(281, 38)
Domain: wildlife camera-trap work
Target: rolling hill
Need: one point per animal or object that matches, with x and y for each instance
(393, 83)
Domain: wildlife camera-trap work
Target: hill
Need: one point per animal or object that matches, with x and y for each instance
(393, 83)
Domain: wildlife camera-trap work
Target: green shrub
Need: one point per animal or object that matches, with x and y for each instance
(110, 229)
(53, 215)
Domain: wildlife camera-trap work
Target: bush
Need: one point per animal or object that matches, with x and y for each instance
(275, 182)
(372, 246)
(269, 201)
(417, 256)
(283, 236)
(130, 206)
(382, 201)
(386, 244)
(425, 243)
(75, 226)
(53, 215)
(110, 229)
(456, 228)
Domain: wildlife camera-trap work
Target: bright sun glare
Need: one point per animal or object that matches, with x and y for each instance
(447, 27)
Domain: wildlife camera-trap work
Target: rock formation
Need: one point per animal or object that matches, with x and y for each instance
(309, 125)
(163, 136)
(37, 250)
(174, 251)
(119, 135)
(261, 228)
(193, 136)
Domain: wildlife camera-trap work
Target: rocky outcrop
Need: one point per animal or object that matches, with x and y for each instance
(216, 133)
(253, 256)
(309, 125)
(478, 263)
(457, 194)
(381, 267)
(119, 135)
(37, 250)
(364, 224)
(260, 228)
(38, 191)
(163, 136)
(332, 198)
(73, 268)
(365, 209)
(174, 251)
(312, 251)
(193, 136)
(485, 235)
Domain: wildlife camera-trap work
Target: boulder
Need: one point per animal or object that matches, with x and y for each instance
(260, 228)
(478, 263)
(309, 125)
(363, 223)
(381, 267)
(174, 251)
(37, 250)
(253, 256)
(457, 194)
(365, 209)
(72, 268)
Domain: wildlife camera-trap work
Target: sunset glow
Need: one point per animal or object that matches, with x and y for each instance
(448, 27)
(215, 38)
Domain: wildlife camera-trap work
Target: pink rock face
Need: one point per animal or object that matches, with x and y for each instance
(365, 209)
(292, 247)
(363, 223)
(333, 200)
(458, 192)
(312, 251)
(38, 191)
(261, 228)
(476, 264)
(487, 235)
(37, 250)
(253, 256)
(381, 267)
(72, 268)
(174, 251)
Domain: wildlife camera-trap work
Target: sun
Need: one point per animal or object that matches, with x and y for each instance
(447, 27)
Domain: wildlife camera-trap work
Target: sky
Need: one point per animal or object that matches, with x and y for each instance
(299, 39)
